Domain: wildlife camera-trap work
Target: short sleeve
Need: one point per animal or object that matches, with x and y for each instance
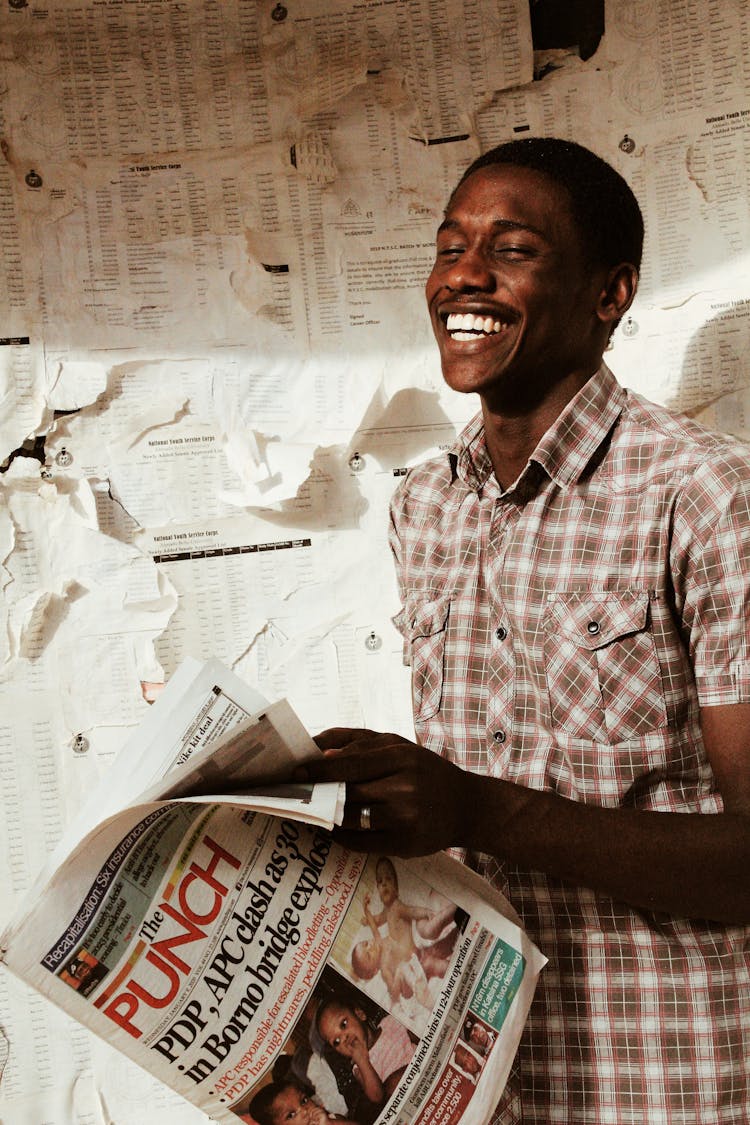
(711, 576)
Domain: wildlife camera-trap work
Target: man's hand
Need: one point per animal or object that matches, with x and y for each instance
(690, 865)
(418, 802)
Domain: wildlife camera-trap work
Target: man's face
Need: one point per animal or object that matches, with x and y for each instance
(466, 1061)
(478, 1037)
(510, 296)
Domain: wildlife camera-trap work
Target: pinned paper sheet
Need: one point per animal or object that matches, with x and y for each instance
(216, 236)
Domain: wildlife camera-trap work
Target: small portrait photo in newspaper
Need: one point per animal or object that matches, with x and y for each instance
(342, 1061)
(397, 941)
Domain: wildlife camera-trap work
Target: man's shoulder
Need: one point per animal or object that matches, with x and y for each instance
(424, 486)
(656, 442)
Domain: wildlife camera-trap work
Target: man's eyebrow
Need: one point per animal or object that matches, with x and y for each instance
(499, 224)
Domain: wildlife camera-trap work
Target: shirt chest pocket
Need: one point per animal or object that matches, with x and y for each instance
(424, 625)
(602, 669)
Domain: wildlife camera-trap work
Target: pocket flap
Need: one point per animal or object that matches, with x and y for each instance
(593, 620)
(425, 618)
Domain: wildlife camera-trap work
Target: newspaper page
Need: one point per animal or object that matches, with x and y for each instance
(228, 952)
(250, 961)
(210, 726)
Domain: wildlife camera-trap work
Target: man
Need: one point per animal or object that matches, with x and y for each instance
(575, 575)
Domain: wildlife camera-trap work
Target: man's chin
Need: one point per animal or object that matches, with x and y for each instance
(479, 373)
(465, 380)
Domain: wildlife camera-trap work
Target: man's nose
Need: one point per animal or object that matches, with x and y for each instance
(470, 271)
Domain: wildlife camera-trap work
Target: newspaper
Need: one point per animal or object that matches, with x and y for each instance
(249, 961)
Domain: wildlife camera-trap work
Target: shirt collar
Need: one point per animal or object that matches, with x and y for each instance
(468, 456)
(565, 449)
(568, 446)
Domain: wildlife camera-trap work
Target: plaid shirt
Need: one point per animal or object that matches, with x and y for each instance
(562, 634)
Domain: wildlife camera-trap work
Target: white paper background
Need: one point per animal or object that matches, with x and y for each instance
(215, 230)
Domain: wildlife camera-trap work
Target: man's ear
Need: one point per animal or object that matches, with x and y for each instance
(617, 294)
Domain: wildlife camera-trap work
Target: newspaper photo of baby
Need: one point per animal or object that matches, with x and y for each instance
(397, 940)
(356, 1035)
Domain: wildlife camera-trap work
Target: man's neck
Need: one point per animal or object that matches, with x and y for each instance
(512, 436)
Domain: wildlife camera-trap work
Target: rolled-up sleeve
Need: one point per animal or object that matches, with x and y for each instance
(711, 574)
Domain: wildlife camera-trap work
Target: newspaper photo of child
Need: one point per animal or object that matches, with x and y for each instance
(288, 1099)
(404, 943)
(342, 1060)
(302, 1073)
(374, 1046)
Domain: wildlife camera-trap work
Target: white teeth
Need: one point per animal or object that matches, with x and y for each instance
(467, 326)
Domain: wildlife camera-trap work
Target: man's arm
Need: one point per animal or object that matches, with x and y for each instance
(686, 864)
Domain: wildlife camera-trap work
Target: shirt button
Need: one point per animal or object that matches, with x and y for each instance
(593, 627)
(501, 632)
(499, 736)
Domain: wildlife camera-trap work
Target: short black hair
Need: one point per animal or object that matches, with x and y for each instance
(604, 208)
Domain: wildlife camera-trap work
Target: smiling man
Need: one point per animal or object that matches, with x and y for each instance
(575, 577)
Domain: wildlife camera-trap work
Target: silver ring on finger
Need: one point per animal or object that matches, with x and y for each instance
(365, 818)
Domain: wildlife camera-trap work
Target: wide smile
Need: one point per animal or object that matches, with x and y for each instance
(470, 326)
(478, 328)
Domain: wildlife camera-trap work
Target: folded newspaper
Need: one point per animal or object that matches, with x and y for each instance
(229, 946)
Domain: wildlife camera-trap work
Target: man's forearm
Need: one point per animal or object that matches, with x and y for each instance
(688, 864)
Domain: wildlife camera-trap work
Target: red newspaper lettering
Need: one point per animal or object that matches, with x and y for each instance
(126, 1004)
(190, 934)
(206, 875)
(123, 1008)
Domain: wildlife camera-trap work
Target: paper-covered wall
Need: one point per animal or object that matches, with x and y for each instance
(216, 219)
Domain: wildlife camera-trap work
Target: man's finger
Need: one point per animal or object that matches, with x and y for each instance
(356, 818)
(335, 738)
(365, 811)
(352, 764)
(363, 841)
